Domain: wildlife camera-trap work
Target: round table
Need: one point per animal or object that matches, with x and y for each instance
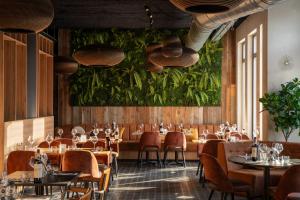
(266, 166)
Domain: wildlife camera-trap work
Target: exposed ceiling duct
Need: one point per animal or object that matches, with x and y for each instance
(204, 23)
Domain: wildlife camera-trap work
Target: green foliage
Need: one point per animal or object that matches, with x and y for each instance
(284, 107)
(130, 84)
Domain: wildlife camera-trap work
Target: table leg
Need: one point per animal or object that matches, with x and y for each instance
(266, 182)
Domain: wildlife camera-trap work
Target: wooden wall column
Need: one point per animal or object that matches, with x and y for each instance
(1, 103)
(228, 94)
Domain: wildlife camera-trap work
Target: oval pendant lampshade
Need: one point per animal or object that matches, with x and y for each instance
(94, 55)
(172, 47)
(65, 65)
(205, 6)
(188, 58)
(25, 16)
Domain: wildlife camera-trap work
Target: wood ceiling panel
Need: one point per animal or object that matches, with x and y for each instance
(118, 13)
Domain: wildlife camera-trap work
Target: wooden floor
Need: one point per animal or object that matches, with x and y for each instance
(151, 182)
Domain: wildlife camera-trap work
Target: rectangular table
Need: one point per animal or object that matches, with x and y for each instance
(25, 178)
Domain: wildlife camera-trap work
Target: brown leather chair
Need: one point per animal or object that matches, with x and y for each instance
(218, 180)
(245, 137)
(44, 144)
(237, 135)
(175, 141)
(90, 144)
(210, 148)
(149, 142)
(211, 136)
(289, 183)
(19, 161)
(84, 162)
(59, 141)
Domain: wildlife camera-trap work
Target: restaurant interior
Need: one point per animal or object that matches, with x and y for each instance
(150, 99)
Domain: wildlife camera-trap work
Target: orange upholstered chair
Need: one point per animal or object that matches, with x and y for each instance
(289, 183)
(59, 141)
(218, 180)
(237, 135)
(149, 142)
(211, 136)
(82, 161)
(175, 141)
(43, 144)
(90, 144)
(293, 196)
(19, 161)
(210, 148)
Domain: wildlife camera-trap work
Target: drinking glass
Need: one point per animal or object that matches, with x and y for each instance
(141, 126)
(49, 139)
(154, 126)
(205, 133)
(234, 127)
(60, 131)
(279, 148)
(94, 140)
(96, 132)
(75, 140)
(107, 132)
(74, 132)
(30, 141)
(222, 126)
(95, 125)
(169, 126)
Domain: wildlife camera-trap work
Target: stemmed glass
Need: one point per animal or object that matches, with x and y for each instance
(94, 140)
(234, 127)
(107, 132)
(96, 132)
(141, 126)
(75, 140)
(279, 148)
(180, 126)
(205, 133)
(169, 127)
(49, 139)
(30, 141)
(60, 131)
(74, 132)
(154, 126)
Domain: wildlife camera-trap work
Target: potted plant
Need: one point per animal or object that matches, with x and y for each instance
(284, 107)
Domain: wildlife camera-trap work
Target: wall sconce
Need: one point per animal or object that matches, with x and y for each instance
(287, 61)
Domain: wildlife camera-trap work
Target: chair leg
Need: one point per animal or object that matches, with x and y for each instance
(141, 159)
(183, 158)
(232, 196)
(176, 156)
(201, 173)
(116, 166)
(138, 159)
(211, 194)
(158, 159)
(147, 156)
(225, 196)
(198, 169)
(165, 157)
(222, 196)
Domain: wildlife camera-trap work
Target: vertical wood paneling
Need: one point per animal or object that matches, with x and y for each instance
(21, 82)
(9, 80)
(49, 85)
(1, 102)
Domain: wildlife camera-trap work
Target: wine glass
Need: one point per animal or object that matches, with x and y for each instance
(75, 140)
(279, 148)
(169, 126)
(74, 132)
(49, 139)
(141, 126)
(222, 126)
(30, 141)
(154, 126)
(205, 133)
(234, 127)
(95, 126)
(60, 131)
(107, 132)
(96, 132)
(94, 140)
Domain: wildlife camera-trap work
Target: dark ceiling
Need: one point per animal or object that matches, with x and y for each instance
(117, 13)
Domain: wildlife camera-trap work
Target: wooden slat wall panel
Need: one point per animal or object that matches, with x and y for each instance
(1, 102)
(21, 82)
(18, 131)
(137, 115)
(49, 85)
(9, 80)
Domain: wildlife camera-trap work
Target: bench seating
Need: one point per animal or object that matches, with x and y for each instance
(129, 146)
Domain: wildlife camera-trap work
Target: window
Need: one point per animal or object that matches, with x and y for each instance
(249, 82)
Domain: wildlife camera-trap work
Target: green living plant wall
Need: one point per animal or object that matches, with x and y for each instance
(129, 84)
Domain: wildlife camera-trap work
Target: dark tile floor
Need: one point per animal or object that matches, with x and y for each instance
(151, 182)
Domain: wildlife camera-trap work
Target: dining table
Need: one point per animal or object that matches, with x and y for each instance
(56, 178)
(266, 166)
